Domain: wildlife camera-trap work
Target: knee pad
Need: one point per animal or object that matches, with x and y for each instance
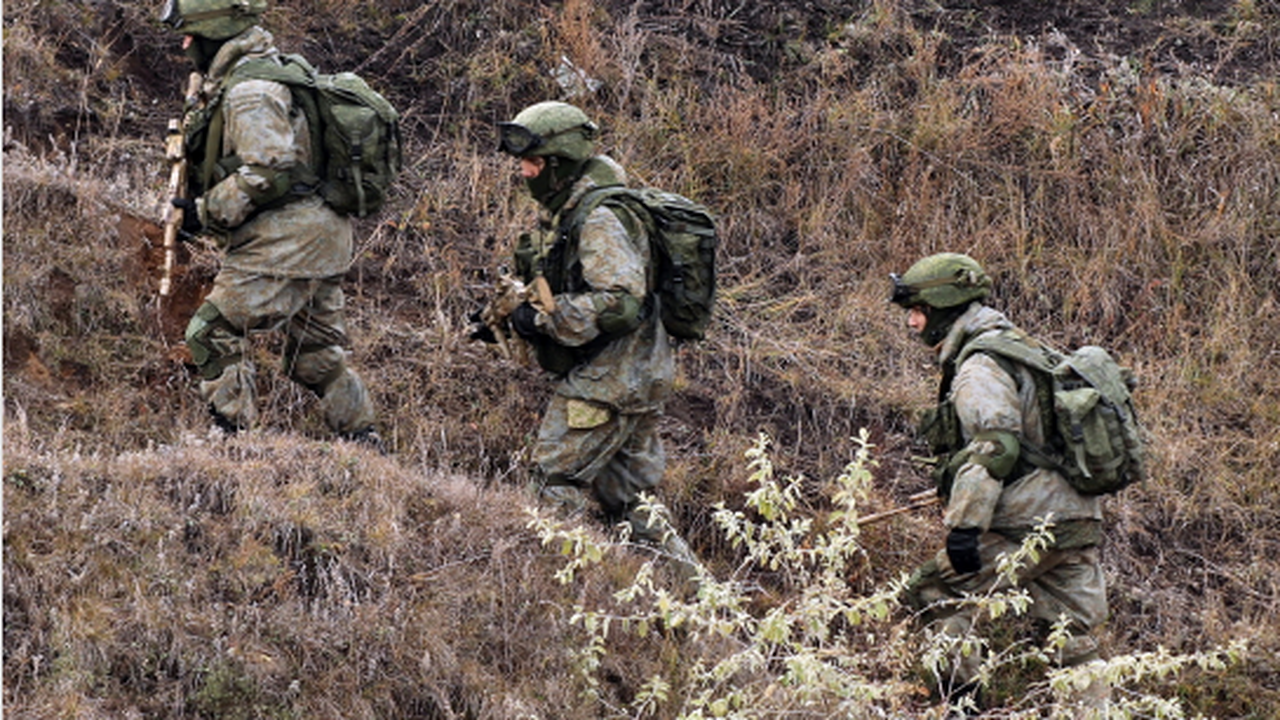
(205, 325)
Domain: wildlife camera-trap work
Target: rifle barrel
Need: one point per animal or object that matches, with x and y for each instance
(902, 510)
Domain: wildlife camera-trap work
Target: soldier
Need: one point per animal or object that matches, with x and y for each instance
(598, 332)
(285, 250)
(989, 415)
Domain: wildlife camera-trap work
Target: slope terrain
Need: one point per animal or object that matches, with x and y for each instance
(1116, 167)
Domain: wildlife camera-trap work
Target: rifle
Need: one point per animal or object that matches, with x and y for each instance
(175, 152)
(922, 499)
(509, 293)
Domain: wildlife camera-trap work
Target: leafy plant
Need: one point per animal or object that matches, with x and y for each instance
(824, 650)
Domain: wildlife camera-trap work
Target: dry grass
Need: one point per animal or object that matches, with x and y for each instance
(152, 572)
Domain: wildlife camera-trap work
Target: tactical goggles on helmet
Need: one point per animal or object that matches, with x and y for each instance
(516, 139)
(902, 292)
(171, 15)
(908, 295)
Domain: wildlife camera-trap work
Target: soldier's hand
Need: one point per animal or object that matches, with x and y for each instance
(191, 225)
(962, 550)
(481, 331)
(522, 320)
(509, 292)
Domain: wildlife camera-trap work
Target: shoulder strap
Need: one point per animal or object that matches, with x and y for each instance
(614, 195)
(299, 76)
(591, 200)
(1016, 346)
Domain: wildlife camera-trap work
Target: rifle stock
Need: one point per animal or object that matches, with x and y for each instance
(542, 294)
(175, 153)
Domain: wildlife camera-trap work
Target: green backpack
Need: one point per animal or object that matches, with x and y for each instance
(683, 238)
(355, 131)
(1095, 438)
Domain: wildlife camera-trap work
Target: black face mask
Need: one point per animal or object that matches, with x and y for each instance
(551, 186)
(201, 51)
(940, 322)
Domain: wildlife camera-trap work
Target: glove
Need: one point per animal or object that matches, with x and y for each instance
(191, 226)
(481, 331)
(522, 320)
(962, 550)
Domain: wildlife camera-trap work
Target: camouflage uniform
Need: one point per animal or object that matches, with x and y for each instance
(599, 431)
(284, 262)
(1067, 579)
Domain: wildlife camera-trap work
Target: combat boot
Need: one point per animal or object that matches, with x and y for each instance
(964, 701)
(368, 437)
(1092, 701)
(224, 423)
(653, 529)
(568, 501)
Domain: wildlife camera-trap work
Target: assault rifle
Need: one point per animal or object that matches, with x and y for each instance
(175, 152)
(922, 499)
(510, 293)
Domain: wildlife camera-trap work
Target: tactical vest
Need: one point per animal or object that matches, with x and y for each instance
(552, 252)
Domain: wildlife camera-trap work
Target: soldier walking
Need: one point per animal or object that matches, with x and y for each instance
(595, 326)
(285, 249)
(988, 417)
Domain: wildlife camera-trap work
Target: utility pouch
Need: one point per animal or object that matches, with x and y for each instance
(584, 415)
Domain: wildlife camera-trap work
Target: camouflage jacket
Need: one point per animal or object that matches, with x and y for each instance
(987, 398)
(601, 281)
(263, 137)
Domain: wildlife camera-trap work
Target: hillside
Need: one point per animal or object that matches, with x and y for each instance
(1115, 166)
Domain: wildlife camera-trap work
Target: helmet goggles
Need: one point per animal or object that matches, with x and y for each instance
(909, 295)
(516, 139)
(902, 292)
(171, 15)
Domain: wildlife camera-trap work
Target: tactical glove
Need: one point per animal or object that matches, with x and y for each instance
(480, 331)
(522, 320)
(191, 226)
(962, 550)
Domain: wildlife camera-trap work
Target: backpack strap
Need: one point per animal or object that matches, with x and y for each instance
(614, 197)
(298, 75)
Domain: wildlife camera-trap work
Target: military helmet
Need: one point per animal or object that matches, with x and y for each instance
(941, 281)
(549, 128)
(212, 19)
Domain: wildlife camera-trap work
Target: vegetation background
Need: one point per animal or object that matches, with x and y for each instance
(1114, 164)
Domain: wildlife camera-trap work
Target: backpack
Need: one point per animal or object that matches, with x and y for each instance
(355, 132)
(1095, 438)
(683, 242)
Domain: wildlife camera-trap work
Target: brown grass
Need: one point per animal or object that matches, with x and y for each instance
(151, 571)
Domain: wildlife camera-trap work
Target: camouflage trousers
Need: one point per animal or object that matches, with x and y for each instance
(612, 455)
(1063, 582)
(310, 312)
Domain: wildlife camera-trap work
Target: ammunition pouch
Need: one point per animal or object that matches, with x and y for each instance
(940, 427)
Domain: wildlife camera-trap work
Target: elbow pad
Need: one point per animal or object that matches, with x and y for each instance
(619, 313)
(263, 185)
(995, 450)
